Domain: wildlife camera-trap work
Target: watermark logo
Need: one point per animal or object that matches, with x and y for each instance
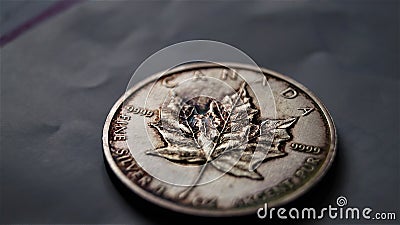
(341, 201)
(340, 211)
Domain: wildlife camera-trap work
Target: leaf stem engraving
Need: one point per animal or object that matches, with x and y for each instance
(182, 195)
(229, 135)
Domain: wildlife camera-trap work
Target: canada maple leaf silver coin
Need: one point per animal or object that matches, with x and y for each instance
(219, 139)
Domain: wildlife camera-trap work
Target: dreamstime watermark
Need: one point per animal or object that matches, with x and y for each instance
(340, 211)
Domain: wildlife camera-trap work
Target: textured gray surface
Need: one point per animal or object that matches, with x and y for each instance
(14, 13)
(59, 80)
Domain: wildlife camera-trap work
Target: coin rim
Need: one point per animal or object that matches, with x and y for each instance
(207, 212)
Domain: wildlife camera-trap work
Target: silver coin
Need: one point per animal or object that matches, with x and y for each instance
(219, 139)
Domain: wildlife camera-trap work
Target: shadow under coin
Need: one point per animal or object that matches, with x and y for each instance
(319, 196)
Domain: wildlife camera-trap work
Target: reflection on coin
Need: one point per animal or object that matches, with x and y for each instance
(219, 139)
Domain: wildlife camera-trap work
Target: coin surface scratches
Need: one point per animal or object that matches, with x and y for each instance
(219, 139)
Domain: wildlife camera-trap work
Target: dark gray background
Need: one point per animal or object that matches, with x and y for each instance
(60, 79)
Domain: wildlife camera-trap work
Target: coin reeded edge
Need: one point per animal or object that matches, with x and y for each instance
(182, 209)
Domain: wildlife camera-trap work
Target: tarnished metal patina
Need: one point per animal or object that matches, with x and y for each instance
(219, 139)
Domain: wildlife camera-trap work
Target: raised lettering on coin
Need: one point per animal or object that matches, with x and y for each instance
(218, 143)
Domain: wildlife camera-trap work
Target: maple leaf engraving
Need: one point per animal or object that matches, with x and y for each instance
(227, 134)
